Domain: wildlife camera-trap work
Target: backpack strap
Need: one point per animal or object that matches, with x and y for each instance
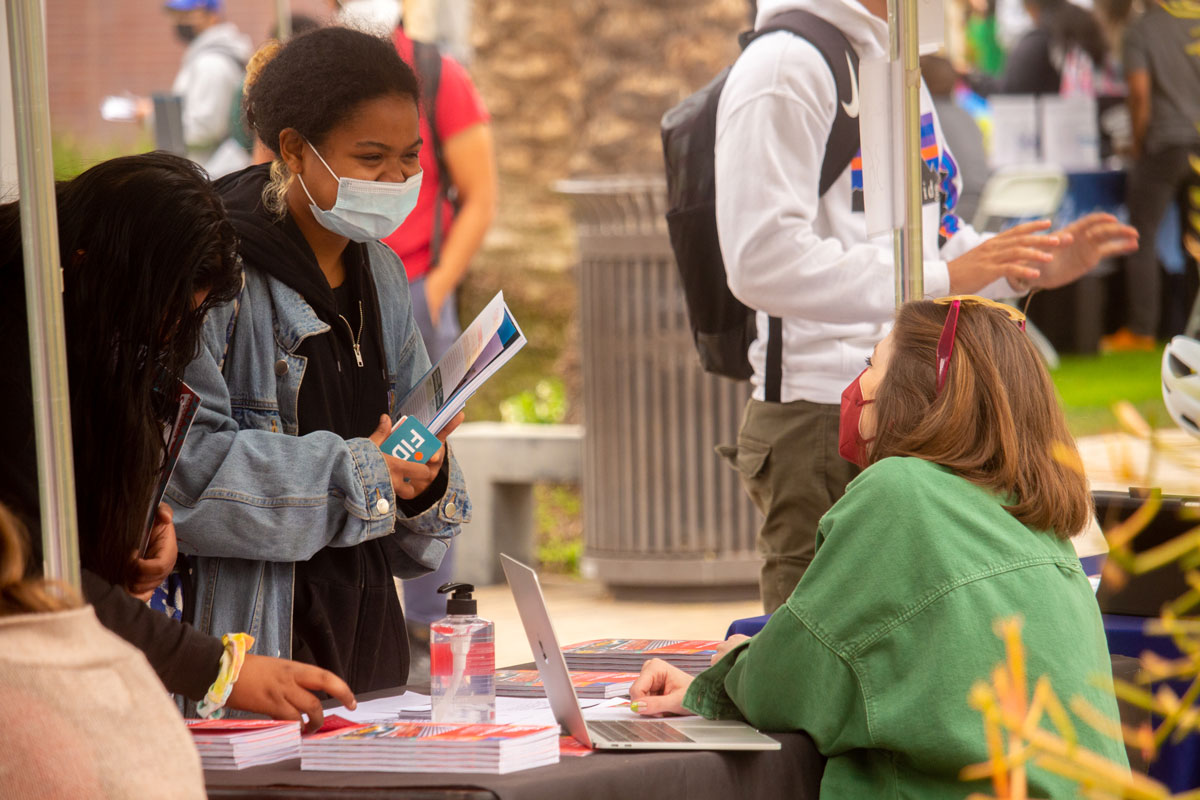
(831, 43)
(840, 147)
(427, 61)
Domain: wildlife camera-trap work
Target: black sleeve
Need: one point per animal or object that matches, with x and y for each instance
(186, 660)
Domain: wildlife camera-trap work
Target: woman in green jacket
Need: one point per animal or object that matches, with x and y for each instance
(961, 518)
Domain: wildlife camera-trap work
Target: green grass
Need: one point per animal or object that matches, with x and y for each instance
(1090, 385)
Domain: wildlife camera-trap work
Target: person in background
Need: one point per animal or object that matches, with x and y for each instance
(963, 137)
(298, 521)
(1064, 37)
(131, 326)
(956, 423)
(984, 51)
(81, 713)
(1164, 107)
(208, 82)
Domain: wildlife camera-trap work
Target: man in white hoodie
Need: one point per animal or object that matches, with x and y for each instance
(807, 260)
(209, 77)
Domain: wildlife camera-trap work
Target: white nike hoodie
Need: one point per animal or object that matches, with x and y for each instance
(789, 253)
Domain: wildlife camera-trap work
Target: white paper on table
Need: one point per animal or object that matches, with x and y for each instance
(118, 108)
(384, 709)
(882, 148)
(931, 25)
(535, 710)
(1014, 130)
(1070, 132)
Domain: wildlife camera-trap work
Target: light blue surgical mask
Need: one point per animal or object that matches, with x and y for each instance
(365, 210)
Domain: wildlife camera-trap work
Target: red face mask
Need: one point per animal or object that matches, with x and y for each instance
(851, 445)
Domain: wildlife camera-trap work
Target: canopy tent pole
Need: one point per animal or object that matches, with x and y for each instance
(904, 46)
(43, 291)
(283, 19)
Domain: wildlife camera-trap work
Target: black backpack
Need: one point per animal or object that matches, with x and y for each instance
(722, 326)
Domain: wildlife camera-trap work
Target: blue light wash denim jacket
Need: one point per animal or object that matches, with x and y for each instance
(249, 502)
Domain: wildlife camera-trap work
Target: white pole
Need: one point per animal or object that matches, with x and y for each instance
(43, 290)
(283, 19)
(905, 47)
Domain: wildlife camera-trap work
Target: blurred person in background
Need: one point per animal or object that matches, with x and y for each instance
(1064, 37)
(984, 51)
(963, 136)
(208, 82)
(1164, 107)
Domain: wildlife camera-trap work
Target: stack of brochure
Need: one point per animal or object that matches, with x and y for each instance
(597, 685)
(430, 747)
(240, 743)
(690, 655)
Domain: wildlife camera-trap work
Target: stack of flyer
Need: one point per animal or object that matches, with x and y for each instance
(240, 743)
(690, 655)
(430, 747)
(595, 685)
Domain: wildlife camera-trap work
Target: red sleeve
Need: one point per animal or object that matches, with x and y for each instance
(459, 105)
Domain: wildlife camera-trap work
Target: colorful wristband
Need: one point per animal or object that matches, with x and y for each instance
(236, 646)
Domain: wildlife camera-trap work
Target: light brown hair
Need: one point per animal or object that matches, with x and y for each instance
(996, 423)
(18, 594)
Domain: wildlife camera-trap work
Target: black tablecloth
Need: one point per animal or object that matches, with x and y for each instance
(793, 772)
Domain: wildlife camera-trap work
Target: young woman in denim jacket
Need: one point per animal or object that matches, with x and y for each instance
(297, 520)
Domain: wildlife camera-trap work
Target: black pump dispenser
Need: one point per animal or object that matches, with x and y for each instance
(460, 602)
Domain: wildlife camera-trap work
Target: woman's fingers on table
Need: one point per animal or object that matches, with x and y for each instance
(659, 689)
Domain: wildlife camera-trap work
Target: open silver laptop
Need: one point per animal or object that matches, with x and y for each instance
(678, 734)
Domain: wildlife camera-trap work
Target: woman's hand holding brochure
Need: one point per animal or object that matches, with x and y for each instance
(410, 478)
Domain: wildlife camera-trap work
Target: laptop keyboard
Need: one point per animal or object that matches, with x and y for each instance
(649, 731)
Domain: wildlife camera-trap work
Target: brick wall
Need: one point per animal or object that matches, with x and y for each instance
(96, 48)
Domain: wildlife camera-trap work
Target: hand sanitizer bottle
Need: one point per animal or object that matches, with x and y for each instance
(462, 661)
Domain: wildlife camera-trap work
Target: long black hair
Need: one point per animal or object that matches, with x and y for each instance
(139, 236)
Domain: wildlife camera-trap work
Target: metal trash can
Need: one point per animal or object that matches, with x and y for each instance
(661, 509)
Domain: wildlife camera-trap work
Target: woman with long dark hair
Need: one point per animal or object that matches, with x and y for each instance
(147, 251)
(961, 517)
(1061, 31)
(299, 522)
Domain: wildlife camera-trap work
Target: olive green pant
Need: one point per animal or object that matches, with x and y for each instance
(787, 457)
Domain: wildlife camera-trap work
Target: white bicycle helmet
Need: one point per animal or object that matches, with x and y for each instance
(1181, 383)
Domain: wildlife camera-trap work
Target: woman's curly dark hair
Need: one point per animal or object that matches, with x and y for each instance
(318, 80)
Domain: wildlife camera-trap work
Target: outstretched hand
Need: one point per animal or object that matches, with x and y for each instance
(1018, 254)
(284, 689)
(1085, 243)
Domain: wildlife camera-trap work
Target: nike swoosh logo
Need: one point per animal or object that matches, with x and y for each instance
(851, 108)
